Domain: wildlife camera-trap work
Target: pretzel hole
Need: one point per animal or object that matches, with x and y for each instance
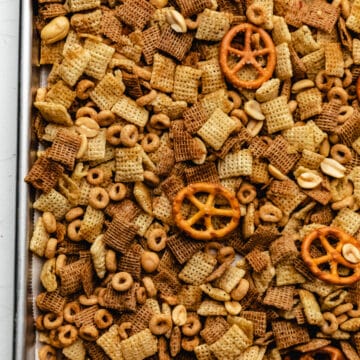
(344, 271)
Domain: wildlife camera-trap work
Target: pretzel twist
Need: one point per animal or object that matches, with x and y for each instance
(247, 56)
(206, 211)
(331, 351)
(333, 255)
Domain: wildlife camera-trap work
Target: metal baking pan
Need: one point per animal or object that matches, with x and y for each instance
(24, 333)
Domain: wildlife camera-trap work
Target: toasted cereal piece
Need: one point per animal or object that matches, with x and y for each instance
(311, 308)
(44, 174)
(111, 27)
(72, 42)
(211, 308)
(349, 131)
(280, 32)
(277, 114)
(164, 104)
(96, 149)
(91, 224)
(288, 334)
(128, 165)
(185, 146)
(282, 297)
(101, 55)
(108, 91)
(121, 301)
(189, 8)
(88, 23)
(39, 238)
(136, 13)
(198, 268)
(216, 100)
(356, 145)
(53, 202)
(283, 248)
(303, 41)
(268, 7)
(186, 83)
(203, 352)
(327, 119)
(314, 62)
(212, 26)
(353, 20)
(258, 318)
(75, 351)
(163, 73)
(139, 346)
(182, 247)
(334, 62)
(61, 94)
(236, 164)
(163, 209)
(269, 90)
(175, 44)
(206, 172)
(127, 109)
(310, 103)
(70, 277)
(347, 220)
(300, 137)
(217, 129)
(231, 344)
(215, 328)
(349, 351)
(143, 221)
(259, 174)
(151, 38)
(212, 78)
(80, 5)
(110, 342)
(130, 261)
(283, 63)
(54, 113)
(257, 259)
(286, 274)
(356, 51)
(321, 15)
(190, 297)
(51, 53)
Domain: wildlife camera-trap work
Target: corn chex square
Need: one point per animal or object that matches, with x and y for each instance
(101, 55)
(107, 92)
(213, 25)
(128, 165)
(139, 346)
(54, 113)
(217, 129)
(186, 83)
(129, 110)
(163, 73)
(53, 202)
(96, 148)
(60, 93)
(236, 164)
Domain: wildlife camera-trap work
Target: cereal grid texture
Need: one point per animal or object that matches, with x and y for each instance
(125, 65)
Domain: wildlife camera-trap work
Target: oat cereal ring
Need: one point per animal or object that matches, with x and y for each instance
(331, 353)
(338, 93)
(105, 118)
(150, 142)
(129, 135)
(348, 78)
(47, 352)
(103, 319)
(323, 81)
(117, 191)
(226, 254)
(206, 211)
(70, 310)
(39, 323)
(89, 332)
(113, 134)
(52, 321)
(160, 121)
(141, 295)
(49, 222)
(51, 246)
(149, 286)
(98, 198)
(235, 98)
(270, 213)
(330, 325)
(247, 55)
(160, 324)
(54, 339)
(256, 14)
(67, 334)
(212, 248)
(241, 115)
(246, 194)
(60, 263)
(190, 343)
(334, 257)
(123, 327)
(86, 111)
(157, 239)
(88, 301)
(192, 326)
(146, 99)
(73, 230)
(341, 153)
(95, 176)
(345, 113)
(74, 213)
(354, 313)
(122, 281)
(83, 89)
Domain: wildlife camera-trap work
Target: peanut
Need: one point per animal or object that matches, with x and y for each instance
(55, 30)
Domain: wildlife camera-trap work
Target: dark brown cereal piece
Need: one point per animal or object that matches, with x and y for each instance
(257, 261)
(120, 234)
(215, 327)
(295, 13)
(166, 281)
(121, 301)
(171, 186)
(350, 130)
(322, 216)
(68, 247)
(299, 69)
(87, 277)
(349, 351)
(132, 85)
(139, 320)
(49, 11)
(44, 174)
(258, 318)
(70, 276)
(86, 316)
(251, 299)
(206, 172)
(151, 37)
(281, 297)
(312, 345)
(135, 13)
(130, 261)
(95, 351)
(111, 27)
(51, 53)
(166, 162)
(65, 148)
(190, 296)
(183, 247)
(51, 301)
(288, 334)
(232, 143)
(283, 248)
(194, 118)
(327, 120)
(192, 7)
(175, 44)
(126, 209)
(258, 147)
(356, 341)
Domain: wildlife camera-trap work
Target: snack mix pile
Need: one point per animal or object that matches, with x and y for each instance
(198, 180)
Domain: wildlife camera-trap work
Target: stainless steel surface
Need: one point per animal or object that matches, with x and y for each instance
(24, 337)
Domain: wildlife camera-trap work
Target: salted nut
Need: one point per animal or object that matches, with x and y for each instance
(309, 180)
(332, 168)
(87, 126)
(351, 253)
(253, 109)
(176, 21)
(55, 30)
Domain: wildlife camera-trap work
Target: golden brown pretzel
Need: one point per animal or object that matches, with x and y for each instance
(332, 352)
(206, 210)
(333, 255)
(247, 56)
